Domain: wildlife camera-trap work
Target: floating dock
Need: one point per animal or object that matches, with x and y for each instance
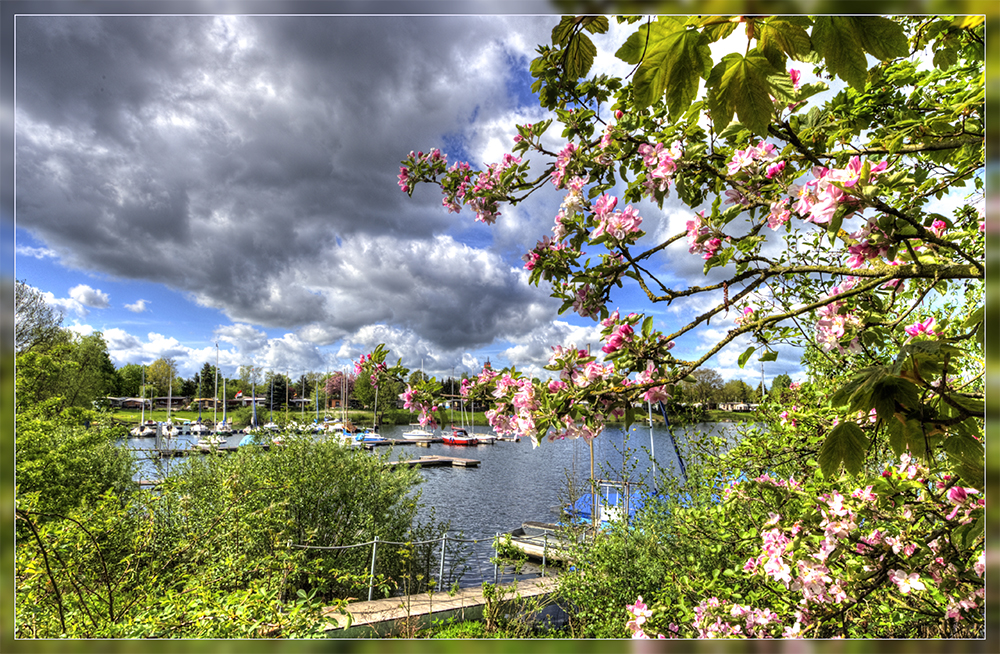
(398, 615)
(433, 461)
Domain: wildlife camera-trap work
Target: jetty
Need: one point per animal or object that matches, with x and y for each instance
(403, 615)
(434, 461)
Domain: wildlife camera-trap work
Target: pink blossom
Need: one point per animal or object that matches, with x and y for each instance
(796, 78)
(918, 328)
(938, 227)
(779, 214)
(605, 205)
(906, 582)
(775, 169)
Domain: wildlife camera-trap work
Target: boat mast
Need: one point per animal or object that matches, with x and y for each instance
(170, 395)
(142, 392)
(253, 398)
(224, 402)
(215, 404)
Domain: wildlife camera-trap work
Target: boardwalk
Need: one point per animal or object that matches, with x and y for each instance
(394, 615)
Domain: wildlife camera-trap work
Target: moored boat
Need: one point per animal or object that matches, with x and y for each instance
(543, 540)
(144, 429)
(459, 436)
(417, 433)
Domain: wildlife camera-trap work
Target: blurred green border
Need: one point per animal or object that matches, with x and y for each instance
(7, 274)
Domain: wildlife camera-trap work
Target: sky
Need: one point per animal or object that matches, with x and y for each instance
(195, 186)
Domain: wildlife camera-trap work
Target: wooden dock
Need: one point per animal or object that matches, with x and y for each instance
(434, 461)
(397, 615)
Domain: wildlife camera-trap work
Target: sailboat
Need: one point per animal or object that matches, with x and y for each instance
(224, 429)
(146, 428)
(459, 435)
(371, 435)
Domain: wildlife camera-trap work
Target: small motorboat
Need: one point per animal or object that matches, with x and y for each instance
(543, 540)
(459, 436)
(418, 433)
(144, 430)
(368, 436)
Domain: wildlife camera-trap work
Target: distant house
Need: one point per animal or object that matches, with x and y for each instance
(128, 403)
(174, 402)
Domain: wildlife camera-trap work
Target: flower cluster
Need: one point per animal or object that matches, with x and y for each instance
(621, 331)
(700, 237)
(514, 399)
(752, 158)
(661, 163)
(920, 329)
(563, 161)
(434, 159)
(835, 321)
(367, 363)
(487, 187)
(414, 400)
(818, 200)
(616, 224)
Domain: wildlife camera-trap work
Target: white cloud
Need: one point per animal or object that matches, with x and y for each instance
(37, 253)
(90, 297)
(138, 306)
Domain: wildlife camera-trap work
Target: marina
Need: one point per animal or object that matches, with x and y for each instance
(514, 483)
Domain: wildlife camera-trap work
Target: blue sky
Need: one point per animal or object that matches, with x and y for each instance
(184, 181)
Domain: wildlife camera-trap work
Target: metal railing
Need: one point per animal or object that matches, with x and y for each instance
(444, 539)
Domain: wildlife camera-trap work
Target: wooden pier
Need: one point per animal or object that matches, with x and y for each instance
(433, 461)
(397, 615)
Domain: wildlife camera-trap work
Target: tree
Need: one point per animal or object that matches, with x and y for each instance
(130, 378)
(707, 386)
(277, 385)
(736, 390)
(36, 324)
(814, 212)
(162, 376)
(73, 371)
(336, 382)
(780, 387)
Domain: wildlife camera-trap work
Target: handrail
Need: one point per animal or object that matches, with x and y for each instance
(443, 540)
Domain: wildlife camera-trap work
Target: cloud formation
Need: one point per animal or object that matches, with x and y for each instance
(251, 162)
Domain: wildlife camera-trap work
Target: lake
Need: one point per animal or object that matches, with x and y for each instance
(515, 482)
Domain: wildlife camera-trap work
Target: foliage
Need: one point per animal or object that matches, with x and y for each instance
(162, 376)
(76, 371)
(224, 548)
(842, 215)
(36, 324)
(62, 465)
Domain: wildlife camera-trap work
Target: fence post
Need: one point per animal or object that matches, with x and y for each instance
(545, 549)
(371, 582)
(444, 543)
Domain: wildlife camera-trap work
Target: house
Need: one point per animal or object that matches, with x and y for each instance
(129, 403)
(174, 402)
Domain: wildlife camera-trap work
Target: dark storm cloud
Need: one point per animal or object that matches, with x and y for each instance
(252, 161)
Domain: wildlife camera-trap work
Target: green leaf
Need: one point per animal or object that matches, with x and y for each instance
(846, 444)
(741, 84)
(746, 355)
(783, 36)
(837, 41)
(770, 355)
(675, 60)
(579, 56)
(562, 31)
(881, 37)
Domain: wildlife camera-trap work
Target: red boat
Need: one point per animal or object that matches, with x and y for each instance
(459, 437)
